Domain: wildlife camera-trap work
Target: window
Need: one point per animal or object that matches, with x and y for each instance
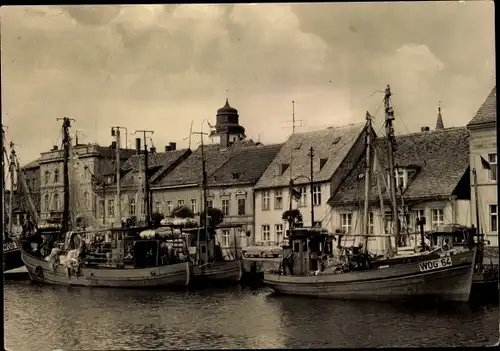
(169, 208)
(180, 203)
(57, 204)
(388, 224)
(265, 233)
(193, 206)
(492, 159)
(278, 199)
(437, 217)
(278, 231)
(225, 238)
(316, 195)
(242, 204)
(131, 207)
(371, 226)
(86, 199)
(158, 208)
(101, 208)
(46, 203)
(418, 214)
(111, 208)
(225, 207)
(303, 196)
(210, 203)
(46, 177)
(345, 222)
(400, 179)
(56, 176)
(265, 200)
(493, 218)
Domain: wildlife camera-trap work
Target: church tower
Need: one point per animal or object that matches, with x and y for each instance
(439, 123)
(227, 130)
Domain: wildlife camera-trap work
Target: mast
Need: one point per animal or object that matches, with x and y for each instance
(66, 147)
(11, 193)
(204, 196)
(4, 155)
(389, 130)
(311, 158)
(291, 161)
(147, 194)
(367, 180)
(115, 131)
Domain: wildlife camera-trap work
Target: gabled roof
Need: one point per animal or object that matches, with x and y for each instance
(32, 164)
(440, 159)
(245, 166)
(487, 113)
(330, 145)
(158, 163)
(189, 171)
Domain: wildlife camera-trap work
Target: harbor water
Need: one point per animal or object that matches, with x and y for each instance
(44, 317)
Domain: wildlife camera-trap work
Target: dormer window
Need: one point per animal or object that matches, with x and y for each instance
(281, 168)
(403, 177)
(236, 175)
(335, 140)
(298, 146)
(322, 162)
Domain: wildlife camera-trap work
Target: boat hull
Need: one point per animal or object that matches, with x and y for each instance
(398, 282)
(11, 256)
(218, 272)
(175, 275)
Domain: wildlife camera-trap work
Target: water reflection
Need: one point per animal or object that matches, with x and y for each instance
(48, 317)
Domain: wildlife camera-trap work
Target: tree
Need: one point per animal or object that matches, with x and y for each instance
(182, 212)
(215, 217)
(293, 217)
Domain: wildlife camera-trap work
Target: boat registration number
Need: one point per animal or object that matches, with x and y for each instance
(10, 246)
(435, 264)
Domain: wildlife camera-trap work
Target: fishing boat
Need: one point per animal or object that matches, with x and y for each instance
(210, 267)
(68, 254)
(441, 273)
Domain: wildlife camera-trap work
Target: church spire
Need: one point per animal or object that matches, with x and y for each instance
(439, 122)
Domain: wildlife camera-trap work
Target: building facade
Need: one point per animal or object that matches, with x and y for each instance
(432, 177)
(335, 152)
(483, 160)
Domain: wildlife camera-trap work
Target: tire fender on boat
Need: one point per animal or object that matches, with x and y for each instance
(39, 272)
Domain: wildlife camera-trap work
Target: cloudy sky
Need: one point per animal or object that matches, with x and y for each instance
(162, 66)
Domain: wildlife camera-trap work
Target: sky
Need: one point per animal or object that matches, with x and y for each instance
(163, 67)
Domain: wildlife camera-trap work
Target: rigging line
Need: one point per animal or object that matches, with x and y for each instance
(400, 116)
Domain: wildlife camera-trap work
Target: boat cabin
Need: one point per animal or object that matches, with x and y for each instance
(448, 236)
(306, 251)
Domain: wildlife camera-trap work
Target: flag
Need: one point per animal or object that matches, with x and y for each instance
(485, 164)
(296, 194)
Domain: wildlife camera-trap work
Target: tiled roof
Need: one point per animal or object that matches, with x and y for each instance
(440, 157)
(158, 163)
(245, 166)
(32, 164)
(487, 113)
(331, 144)
(189, 171)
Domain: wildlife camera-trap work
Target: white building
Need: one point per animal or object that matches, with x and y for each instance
(335, 149)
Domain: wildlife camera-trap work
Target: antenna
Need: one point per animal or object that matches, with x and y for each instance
(295, 121)
(190, 134)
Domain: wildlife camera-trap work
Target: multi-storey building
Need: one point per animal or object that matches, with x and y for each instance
(336, 150)
(432, 180)
(233, 165)
(483, 160)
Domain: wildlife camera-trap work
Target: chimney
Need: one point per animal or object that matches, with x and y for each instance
(168, 148)
(173, 146)
(152, 150)
(425, 129)
(113, 145)
(138, 144)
